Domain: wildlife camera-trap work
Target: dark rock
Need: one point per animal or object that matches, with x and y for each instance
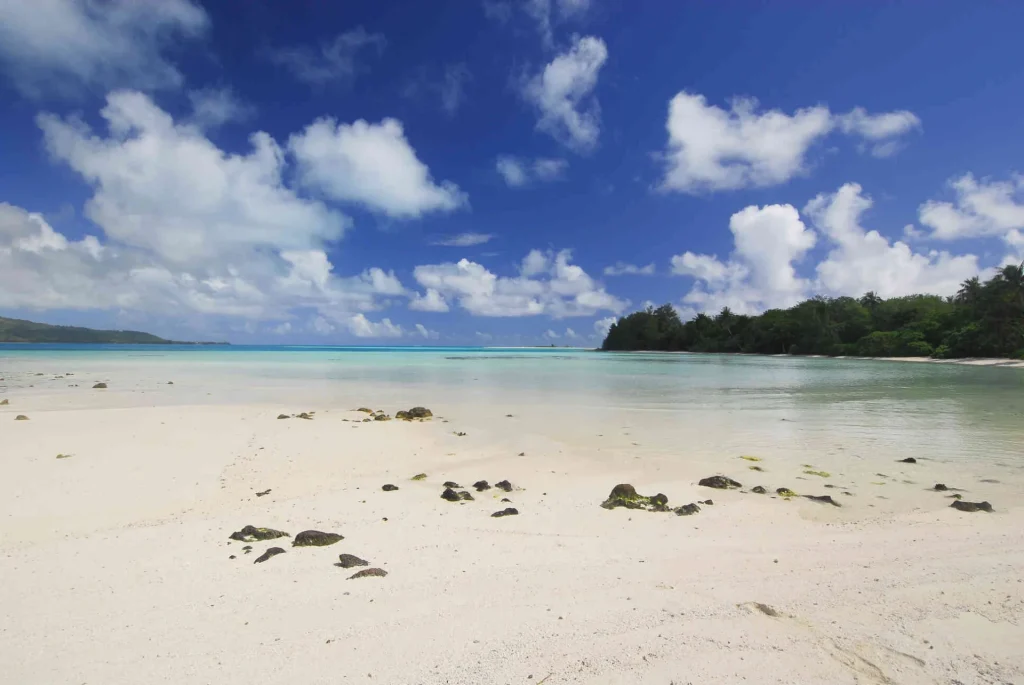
(465, 496)
(504, 485)
(758, 489)
(365, 410)
(510, 511)
(481, 485)
(625, 495)
(272, 552)
(315, 538)
(247, 549)
(254, 534)
(971, 506)
(21, 417)
(505, 499)
(369, 573)
(908, 460)
(283, 416)
(766, 610)
(232, 557)
(955, 495)
(941, 487)
(824, 499)
(419, 476)
(785, 492)
(170, 382)
(460, 434)
(719, 483)
(420, 413)
(451, 484)
(687, 510)
(350, 560)
(403, 415)
(381, 417)
(305, 415)
(100, 386)
(708, 502)
(4, 402)
(265, 492)
(389, 487)
(450, 495)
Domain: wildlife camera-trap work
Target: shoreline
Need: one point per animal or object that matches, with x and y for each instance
(965, 361)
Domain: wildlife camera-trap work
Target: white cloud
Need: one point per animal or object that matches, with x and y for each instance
(426, 332)
(571, 334)
(321, 326)
(547, 284)
(282, 329)
(982, 208)
(433, 301)
(602, 326)
(361, 327)
(66, 46)
(484, 337)
(213, 107)
(453, 87)
(335, 61)
(518, 172)
(372, 165)
(624, 269)
(540, 12)
(865, 260)
(562, 94)
(570, 8)
(463, 240)
(551, 335)
(710, 148)
(186, 228)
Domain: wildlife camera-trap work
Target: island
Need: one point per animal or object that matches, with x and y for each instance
(22, 331)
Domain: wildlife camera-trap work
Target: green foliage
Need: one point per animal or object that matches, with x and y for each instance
(21, 331)
(984, 319)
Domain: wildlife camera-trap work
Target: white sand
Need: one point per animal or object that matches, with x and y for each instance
(115, 562)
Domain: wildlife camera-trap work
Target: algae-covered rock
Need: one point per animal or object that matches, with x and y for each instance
(100, 386)
(687, 510)
(719, 483)
(388, 487)
(820, 474)
(419, 476)
(504, 485)
(755, 467)
(305, 415)
(63, 456)
(254, 534)
(381, 417)
(758, 489)
(403, 415)
(908, 460)
(350, 561)
(263, 493)
(751, 458)
(481, 485)
(465, 496)
(283, 416)
(4, 402)
(785, 492)
(420, 413)
(971, 507)
(452, 484)
(450, 495)
(365, 410)
(941, 487)
(509, 511)
(708, 502)
(316, 538)
(369, 573)
(272, 552)
(21, 417)
(625, 495)
(823, 499)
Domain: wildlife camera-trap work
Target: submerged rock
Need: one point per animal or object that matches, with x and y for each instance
(960, 505)
(509, 511)
(388, 487)
(451, 484)
(481, 485)
(21, 417)
(419, 476)
(785, 492)
(254, 534)
(369, 573)
(450, 495)
(272, 552)
(100, 386)
(719, 483)
(758, 489)
(316, 538)
(687, 510)
(940, 487)
(350, 560)
(504, 485)
(908, 460)
(625, 495)
(824, 499)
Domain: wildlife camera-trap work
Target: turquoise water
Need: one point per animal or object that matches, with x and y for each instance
(961, 411)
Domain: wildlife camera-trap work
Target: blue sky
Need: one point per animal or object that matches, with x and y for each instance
(492, 172)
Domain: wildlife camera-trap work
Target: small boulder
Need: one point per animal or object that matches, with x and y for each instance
(263, 493)
(451, 484)
(419, 476)
(350, 560)
(824, 499)
(100, 386)
(510, 511)
(758, 489)
(785, 492)
(505, 499)
(625, 495)
(21, 417)
(316, 538)
(481, 485)
(420, 413)
(254, 534)
(365, 410)
(283, 416)
(465, 496)
(719, 483)
(381, 417)
(388, 487)
(4, 402)
(403, 415)
(687, 510)
(369, 573)
(272, 552)
(940, 487)
(708, 502)
(450, 495)
(908, 460)
(504, 485)
(960, 505)
(304, 415)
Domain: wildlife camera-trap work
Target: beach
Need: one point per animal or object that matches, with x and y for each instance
(118, 566)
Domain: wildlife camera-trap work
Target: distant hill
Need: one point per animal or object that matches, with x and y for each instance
(21, 331)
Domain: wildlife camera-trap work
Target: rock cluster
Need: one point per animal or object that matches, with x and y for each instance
(719, 483)
(254, 534)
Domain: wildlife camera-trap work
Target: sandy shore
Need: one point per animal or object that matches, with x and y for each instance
(117, 567)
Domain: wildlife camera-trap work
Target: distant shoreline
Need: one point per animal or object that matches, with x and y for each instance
(966, 361)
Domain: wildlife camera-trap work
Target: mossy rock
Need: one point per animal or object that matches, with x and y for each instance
(403, 415)
(369, 573)
(63, 456)
(785, 492)
(419, 476)
(509, 511)
(751, 458)
(755, 468)
(388, 487)
(100, 386)
(504, 485)
(420, 413)
(465, 496)
(305, 415)
(381, 417)
(941, 487)
(272, 552)
(254, 534)
(687, 510)
(283, 416)
(350, 561)
(908, 460)
(316, 538)
(450, 495)
(481, 485)
(452, 484)
(625, 495)
(758, 489)
(971, 507)
(821, 474)
(21, 417)
(719, 483)
(365, 410)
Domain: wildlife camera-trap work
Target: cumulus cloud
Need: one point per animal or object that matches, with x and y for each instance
(426, 332)
(332, 62)
(602, 326)
(213, 107)
(463, 239)
(624, 269)
(518, 172)
(563, 94)
(64, 46)
(372, 165)
(361, 327)
(710, 148)
(431, 301)
(547, 283)
(540, 11)
(982, 208)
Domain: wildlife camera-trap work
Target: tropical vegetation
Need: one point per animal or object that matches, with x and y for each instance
(984, 319)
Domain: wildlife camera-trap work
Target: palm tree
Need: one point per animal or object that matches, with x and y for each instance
(970, 291)
(1013, 276)
(870, 300)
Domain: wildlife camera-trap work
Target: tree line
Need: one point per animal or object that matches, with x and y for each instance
(984, 319)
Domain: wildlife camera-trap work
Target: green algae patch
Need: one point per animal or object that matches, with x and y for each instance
(751, 458)
(63, 456)
(625, 495)
(822, 474)
(786, 492)
(755, 467)
(419, 476)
